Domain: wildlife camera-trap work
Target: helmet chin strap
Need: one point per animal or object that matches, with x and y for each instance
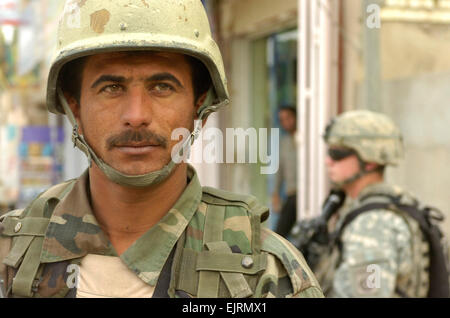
(361, 172)
(144, 180)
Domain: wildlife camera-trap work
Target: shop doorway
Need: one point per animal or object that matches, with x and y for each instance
(274, 85)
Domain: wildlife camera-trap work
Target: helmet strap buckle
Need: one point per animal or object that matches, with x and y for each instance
(80, 143)
(75, 135)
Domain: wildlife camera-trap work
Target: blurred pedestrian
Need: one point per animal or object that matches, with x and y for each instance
(287, 173)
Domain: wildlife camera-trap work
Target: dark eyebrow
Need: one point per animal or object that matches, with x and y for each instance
(153, 78)
(165, 77)
(109, 78)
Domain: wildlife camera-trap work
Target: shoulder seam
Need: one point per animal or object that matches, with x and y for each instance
(279, 255)
(252, 206)
(229, 196)
(21, 212)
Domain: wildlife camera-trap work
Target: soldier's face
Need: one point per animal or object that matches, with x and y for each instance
(343, 168)
(131, 103)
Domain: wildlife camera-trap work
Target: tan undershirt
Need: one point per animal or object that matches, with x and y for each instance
(108, 277)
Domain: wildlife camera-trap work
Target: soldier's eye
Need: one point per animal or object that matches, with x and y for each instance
(112, 89)
(161, 89)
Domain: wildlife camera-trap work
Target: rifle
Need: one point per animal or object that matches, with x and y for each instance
(311, 236)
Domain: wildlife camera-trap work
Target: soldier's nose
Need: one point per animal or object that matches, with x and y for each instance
(137, 110)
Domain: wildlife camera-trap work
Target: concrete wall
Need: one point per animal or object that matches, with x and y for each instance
(416, 74)
(352, 61)
(420, 107)
(256, 17)
(409, 50)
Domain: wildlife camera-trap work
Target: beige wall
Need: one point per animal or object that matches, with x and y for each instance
(416, 73)
(419, 106)
(406, 50)
(352, 60)
(410, 50)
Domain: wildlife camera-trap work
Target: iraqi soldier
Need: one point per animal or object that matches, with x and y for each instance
(138, 223)
(378, 252)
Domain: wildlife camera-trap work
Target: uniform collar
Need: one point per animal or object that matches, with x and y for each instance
(73, 231)
(381, 188)
(378, 192)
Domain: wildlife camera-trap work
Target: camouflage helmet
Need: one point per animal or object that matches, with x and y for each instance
(374, 136)
(90, 27)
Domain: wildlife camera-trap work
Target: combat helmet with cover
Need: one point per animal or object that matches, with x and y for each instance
(90, 27)
(373, 136)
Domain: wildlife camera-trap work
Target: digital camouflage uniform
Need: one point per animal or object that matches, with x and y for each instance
(227, 248)
(383, 252)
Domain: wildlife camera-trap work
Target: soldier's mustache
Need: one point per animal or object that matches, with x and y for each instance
(136, 137)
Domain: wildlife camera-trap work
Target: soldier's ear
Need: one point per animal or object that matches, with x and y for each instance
(75, 107)
(199, 104)
(73, 104)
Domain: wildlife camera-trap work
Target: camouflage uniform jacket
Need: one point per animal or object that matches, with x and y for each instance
(383, 252)
(215, 236)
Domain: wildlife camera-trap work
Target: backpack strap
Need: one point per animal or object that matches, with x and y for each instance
(392, 205)
(336, 237)
(28, 232)
(438, 271)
